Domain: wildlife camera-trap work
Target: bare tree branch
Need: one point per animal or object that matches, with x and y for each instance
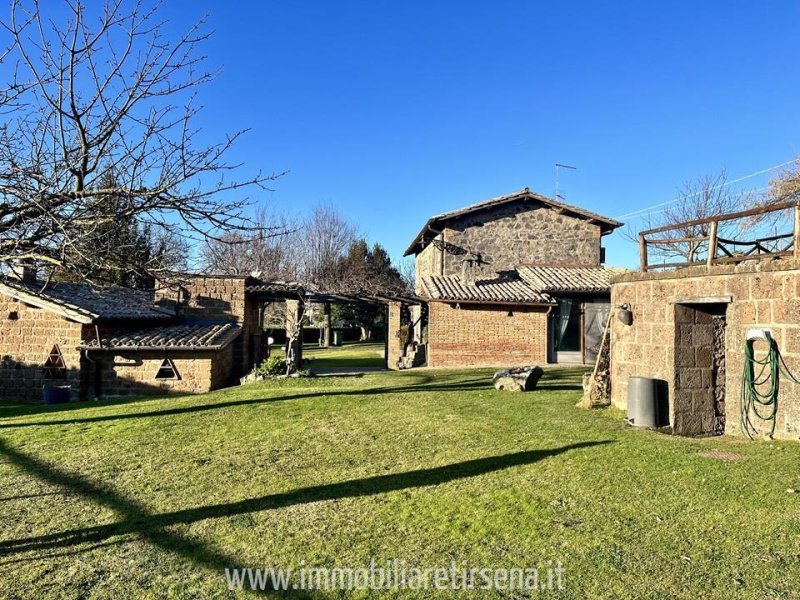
(105, 96)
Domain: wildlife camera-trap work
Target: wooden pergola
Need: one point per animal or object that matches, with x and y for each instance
(297, 296)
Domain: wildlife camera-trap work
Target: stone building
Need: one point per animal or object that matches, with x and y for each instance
(689, 330)
(511, 280)
(714, 315)
(113, 341)
(195, 333)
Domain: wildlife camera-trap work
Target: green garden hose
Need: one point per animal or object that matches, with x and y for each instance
(754, 401)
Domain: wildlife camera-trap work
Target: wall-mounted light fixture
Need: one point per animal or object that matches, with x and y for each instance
(625, 315)
(511, 313)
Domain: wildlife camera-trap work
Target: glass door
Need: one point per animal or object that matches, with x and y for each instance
(567, 331)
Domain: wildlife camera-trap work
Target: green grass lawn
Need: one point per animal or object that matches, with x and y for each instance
(154, 498)
(353, 354)
(356, 354)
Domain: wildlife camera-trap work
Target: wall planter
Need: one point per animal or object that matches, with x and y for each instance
(56, 394)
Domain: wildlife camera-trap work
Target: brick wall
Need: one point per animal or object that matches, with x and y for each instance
(485, 335)
(26, 342)
(394, 342)
(765, 294)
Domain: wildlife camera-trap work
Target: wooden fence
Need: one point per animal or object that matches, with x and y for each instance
(720, 250)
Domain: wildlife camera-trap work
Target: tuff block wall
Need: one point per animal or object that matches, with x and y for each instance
(27, 335)
(763, 294)
(511, 235)
(486, 335)
(134, 374)
(217, 298)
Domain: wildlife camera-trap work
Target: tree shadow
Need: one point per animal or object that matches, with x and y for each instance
(29, 496)
(136, 519)
(196, 408)
(552, 380)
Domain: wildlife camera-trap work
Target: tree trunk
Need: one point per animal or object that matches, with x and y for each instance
(294, 336)
(326, 325)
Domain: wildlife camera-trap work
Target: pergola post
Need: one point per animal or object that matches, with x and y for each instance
(394, 339)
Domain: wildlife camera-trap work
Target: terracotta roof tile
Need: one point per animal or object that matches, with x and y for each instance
(567, 279)
(85, 303)
(503, 289)
(187, 336)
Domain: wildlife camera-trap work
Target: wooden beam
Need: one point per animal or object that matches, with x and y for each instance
(702, 300)
(797, 231)
(712, 243)
(726, 217)
(642, 253)
(683, 240)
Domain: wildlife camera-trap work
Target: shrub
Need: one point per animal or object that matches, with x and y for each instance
(272, 367)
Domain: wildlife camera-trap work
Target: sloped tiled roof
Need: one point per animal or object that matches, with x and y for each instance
(567, 279)
(188, 336)
(503, 289)
(81, 302)
(432, 226)
(279, 287)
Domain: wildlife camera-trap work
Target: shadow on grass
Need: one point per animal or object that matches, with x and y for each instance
(315, 393)
(552, 380)
(136, 519)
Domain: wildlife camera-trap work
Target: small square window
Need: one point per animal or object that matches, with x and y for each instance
(167, 370)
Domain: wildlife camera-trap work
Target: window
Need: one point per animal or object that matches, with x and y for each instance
(54, 366)
(167, 370)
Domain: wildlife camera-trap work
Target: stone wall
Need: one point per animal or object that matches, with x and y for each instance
(220, 298)
(510, 235)
(27, 335)
(696, 372)
(222, 374)
(134, 374)
(765, 294)
(486, 335)
(428, 262)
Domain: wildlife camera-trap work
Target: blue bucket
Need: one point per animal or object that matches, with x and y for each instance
(59, 394)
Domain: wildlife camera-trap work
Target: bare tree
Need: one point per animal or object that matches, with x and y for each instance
(408, 271)
(265, 251)
(103, 95)
(786, 186)
(325, 238)
(705, 197)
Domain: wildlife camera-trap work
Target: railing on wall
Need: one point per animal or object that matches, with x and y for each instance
(709, 248)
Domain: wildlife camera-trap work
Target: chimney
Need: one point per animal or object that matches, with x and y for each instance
(23, 270)
(468, 271)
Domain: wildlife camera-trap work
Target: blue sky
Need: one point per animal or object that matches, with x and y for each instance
(396, 111)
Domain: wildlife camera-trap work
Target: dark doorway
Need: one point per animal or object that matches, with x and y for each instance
(699, 398)
(567, 331)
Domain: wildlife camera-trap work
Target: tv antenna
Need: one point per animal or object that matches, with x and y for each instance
(559, 166)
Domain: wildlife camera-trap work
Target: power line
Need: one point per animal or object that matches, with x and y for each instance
(645, 211)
